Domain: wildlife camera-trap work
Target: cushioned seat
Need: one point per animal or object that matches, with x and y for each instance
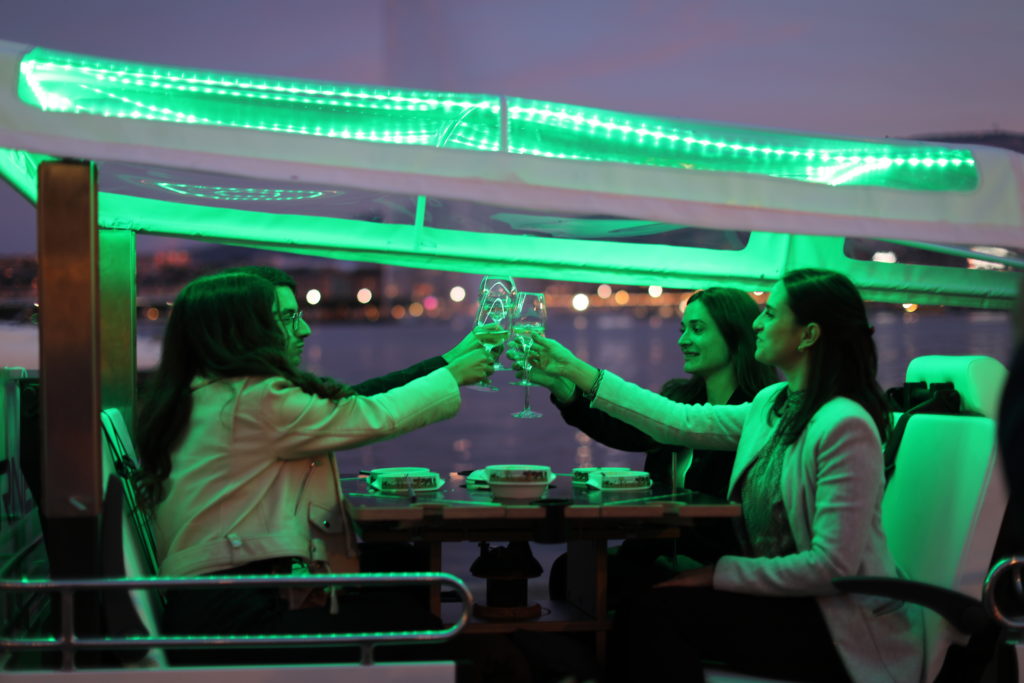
(944, 505)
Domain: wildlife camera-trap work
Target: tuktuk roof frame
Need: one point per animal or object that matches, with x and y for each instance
(477, 183)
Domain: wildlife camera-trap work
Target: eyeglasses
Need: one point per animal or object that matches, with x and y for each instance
(290, 318)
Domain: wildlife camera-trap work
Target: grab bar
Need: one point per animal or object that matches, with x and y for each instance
(68, 642)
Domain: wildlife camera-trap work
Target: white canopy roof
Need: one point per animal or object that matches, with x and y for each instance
(470, 182)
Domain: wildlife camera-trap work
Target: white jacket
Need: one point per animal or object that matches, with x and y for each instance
(253, 477)
(831, 485)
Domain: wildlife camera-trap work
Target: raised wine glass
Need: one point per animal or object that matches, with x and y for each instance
(491, 328)
(498, 286)
(528, 320)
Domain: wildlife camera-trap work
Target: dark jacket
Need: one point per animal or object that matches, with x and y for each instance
(379, 385)
(709, 471)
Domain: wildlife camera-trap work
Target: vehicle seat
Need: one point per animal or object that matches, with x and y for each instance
(944, 505)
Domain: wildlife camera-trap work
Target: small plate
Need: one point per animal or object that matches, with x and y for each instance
(382, 471)
(401, 482)
(619, 480)
(581, 475)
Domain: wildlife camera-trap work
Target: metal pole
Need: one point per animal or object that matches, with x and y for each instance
(117, 322)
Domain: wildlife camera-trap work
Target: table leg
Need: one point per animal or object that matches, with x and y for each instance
(587, 586)
(432, 551)
(587, 576)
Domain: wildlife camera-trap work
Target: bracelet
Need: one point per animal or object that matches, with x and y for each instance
(592, 394)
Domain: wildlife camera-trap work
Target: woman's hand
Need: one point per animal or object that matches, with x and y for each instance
(559, 386)
(465, 345)
(701, 577)
(472, 367)
(551, 357)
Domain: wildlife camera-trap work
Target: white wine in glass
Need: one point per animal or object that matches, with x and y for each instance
(491, 329)
(498, 287)
(528, 321)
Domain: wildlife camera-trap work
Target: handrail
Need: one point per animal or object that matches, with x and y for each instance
(67, 642)
(23, 552)
(1016, 565)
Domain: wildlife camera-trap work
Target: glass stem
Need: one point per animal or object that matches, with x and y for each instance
(526, 394)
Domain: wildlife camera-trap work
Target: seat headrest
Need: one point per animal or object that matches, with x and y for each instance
(978, 379)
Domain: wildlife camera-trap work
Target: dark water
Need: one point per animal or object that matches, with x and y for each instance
(643, 351)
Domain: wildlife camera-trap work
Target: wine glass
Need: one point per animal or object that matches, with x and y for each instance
(491, 328)
(495, 285)
(528, 320)
(498, 286)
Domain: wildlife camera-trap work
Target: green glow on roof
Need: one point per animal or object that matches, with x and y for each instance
(20, 169)
(240, 194)
(64, 82)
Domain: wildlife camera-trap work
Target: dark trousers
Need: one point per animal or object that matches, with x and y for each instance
(667, 634)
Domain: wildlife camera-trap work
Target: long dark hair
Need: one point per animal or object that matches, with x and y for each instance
(843, 361)
(733, 312)
(221, 326)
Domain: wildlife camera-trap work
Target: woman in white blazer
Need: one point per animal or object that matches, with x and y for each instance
(809, 474)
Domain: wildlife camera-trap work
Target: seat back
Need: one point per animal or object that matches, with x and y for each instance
(944, 505)
(127, 540)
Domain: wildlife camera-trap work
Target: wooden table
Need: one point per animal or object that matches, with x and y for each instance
(583, 519)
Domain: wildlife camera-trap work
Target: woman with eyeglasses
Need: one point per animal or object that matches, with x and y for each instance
(297, 329)
(236, 465)
(809, 474)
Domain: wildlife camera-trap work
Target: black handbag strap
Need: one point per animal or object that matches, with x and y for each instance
(914, 398)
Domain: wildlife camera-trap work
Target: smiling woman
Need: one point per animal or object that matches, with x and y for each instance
(717, 342)
(809, 474)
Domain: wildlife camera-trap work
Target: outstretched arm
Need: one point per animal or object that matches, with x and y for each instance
(379, 385)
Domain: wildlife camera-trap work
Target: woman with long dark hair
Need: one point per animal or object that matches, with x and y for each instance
(717, 343)
(235, 446)
(809, 474)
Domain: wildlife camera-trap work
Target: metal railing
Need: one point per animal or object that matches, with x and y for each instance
(68, 642)
(1014, 566)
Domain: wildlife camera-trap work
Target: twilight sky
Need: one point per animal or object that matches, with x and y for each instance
(873, 68)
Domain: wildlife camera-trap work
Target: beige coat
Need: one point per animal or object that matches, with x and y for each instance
(831, 484)
(253, 477)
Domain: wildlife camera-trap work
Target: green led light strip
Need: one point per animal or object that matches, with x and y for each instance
(240, 194)
(64, 82)
(613, 136)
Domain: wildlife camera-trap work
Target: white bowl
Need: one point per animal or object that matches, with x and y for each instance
(519, 474)
(517, 490)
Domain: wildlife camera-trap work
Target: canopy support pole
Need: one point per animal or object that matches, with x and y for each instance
(69, 360)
